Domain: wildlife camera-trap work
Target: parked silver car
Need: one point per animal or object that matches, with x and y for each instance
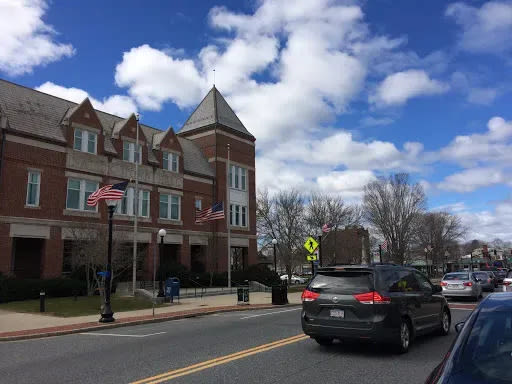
(461, 284)
(486, 280)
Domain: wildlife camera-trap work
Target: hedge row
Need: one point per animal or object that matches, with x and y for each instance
(26, 289)
(189, 279)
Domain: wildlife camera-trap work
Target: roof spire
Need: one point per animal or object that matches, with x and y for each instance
(213, 77)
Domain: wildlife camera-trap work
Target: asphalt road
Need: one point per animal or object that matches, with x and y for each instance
(265, 346)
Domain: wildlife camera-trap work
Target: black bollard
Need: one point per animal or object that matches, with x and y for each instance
(42, 298)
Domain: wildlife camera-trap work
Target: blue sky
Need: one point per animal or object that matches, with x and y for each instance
(336, 93)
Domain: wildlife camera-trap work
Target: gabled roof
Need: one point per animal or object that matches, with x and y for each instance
(214, 109)
(39, 114)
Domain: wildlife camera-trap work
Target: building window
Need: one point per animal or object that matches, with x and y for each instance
(198, 204)
(129, 152)
(78, 192)
(238, 178)
(238, 215)
(33, 187)
(170, 206)
(127, 206)
(244, 216)
(85, 141)
(171, 161)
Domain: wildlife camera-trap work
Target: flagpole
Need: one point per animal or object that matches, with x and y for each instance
(136, 213)
(228, 216)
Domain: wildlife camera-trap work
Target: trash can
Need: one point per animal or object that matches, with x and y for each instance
(172, 288)
(279, 294)
(242, 293)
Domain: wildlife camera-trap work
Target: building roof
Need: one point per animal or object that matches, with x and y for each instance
(39, 114)
(214, 109)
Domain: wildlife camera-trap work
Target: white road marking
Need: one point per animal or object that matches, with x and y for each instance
(270, 313)
(119, 335)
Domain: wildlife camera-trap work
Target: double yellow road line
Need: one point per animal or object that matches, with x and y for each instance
(219, 360)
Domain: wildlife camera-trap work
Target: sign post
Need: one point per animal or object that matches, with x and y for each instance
(311, 246)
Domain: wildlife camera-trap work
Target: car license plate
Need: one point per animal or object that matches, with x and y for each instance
(339, 313)
(454, 286)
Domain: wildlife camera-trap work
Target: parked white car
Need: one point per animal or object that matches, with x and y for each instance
(507, 282)
(295, 279)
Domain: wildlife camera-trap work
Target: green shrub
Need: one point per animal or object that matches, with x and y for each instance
(26, 289)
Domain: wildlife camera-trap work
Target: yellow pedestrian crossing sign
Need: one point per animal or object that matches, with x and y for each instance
(311, 245)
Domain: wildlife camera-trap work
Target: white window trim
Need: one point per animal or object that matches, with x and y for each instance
(236, 173)
(130, 195)
(85, 141)
(81, 199)
(200, 204)
(232, 215)
(131, 152)
(170, 156)
(169, 207)
(36, 204)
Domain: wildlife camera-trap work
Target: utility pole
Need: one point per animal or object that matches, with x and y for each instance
(380, 253)
(228, 216)
(320, 250)
(136, 213)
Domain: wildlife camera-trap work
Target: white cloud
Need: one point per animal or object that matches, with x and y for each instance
(371, 121)
(457, 207)
(489, 224)
(349, 184)
(467, 83)
(26, 40)
(471, 179)
(117, 104)
(487, 29)
(399, 87)
(492, 146)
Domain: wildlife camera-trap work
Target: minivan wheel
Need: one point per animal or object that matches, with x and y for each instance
(445, 323)
(404, 338)
(324, 340)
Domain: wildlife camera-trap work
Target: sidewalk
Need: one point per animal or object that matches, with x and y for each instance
(16, 326)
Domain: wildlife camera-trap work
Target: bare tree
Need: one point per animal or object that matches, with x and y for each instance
(392, 207)
(440, 231)
(281, 217)
(324, 208)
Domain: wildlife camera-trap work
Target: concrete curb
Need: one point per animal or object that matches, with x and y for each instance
(51, 331)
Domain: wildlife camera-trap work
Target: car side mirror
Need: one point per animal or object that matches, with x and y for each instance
(437, 289)
(459, 326)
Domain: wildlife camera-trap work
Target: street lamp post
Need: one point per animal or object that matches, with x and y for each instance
(274, 242)
(427, 250)
(161, 233)
(107, 316)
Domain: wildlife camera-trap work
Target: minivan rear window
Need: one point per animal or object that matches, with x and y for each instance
(346, 282)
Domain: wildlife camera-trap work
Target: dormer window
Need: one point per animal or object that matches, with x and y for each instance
(129, 153)
(171, 161)
(85, 141)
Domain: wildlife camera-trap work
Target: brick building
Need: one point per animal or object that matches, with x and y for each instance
(54, 153)
(350, 245)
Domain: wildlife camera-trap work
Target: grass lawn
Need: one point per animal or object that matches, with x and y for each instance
(296, 288)
(84, 305)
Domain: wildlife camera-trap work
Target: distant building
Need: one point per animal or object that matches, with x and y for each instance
(54, 153)
(350, 245)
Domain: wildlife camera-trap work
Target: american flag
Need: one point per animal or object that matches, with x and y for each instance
(384, 245)
(108, 192)
(327, 227)
(215, 212)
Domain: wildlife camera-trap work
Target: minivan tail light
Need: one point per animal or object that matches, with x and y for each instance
(308, 295)
(372, 298)
(507, 283)
(468, 284)
(444, 283)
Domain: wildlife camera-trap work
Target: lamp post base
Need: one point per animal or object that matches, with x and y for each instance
(107, 316)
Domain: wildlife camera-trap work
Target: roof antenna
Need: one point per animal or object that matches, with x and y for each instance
(214, 77)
